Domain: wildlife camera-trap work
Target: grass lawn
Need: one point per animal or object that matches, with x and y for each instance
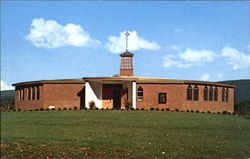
(123, 134)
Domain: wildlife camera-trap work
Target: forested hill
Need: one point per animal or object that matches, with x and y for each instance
(242, 91)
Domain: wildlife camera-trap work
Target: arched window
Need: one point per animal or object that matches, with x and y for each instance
(216, 94)
(196, 93)
(189, 92)
(140, 94)
(205, 95)
(211, 93)
(223, 94)
(37, 93)
(227, 91)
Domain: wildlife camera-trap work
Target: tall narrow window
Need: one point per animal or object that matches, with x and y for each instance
(196, 93)
(189, 93)
(162, 98)
(227, 94)
(23, 94)
(140, 94)
(205, 95)
(33, 93)
(37, 93)
(29, 93)
(216, 94)
(211, 93)
(223, 94)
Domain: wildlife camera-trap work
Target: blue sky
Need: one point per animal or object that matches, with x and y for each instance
(190, 40)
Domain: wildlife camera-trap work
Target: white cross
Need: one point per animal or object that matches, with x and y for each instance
(127, 34)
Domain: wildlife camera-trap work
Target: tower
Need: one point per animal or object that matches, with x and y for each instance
(126, 67)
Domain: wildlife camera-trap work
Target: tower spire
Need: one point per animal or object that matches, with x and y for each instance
(127, 34)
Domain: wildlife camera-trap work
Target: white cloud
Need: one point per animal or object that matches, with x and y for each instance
(205, 77)
(188, 58)
(236, 58)
(191, 55)
(5, 86)
(219, 75)
(118, 44)
(170, 60)
(50, 34)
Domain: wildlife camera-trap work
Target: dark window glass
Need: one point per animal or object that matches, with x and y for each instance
(205, 95)
(162, 99)
(223, 95)
(29, 93)
(140, 94)
(196, 93)
(22, 93)
(211, 93)
(216, 94)
(227, 95)
(37, 93)
(189, 93)
(33, 93)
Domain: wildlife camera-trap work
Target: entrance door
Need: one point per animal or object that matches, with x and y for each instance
(117, 99)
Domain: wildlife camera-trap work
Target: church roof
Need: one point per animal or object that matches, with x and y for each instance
(137, 79)
(127, 54)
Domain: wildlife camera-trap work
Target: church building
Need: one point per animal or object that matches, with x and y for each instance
(125, 90)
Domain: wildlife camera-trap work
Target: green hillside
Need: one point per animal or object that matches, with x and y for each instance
(7, 99)
(124, 134)
(242, 91)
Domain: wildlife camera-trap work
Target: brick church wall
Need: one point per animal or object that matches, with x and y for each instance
(177, 98)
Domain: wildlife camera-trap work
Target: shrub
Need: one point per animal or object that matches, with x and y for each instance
(202, 112)
(75, 108)
(208, 112)
(142, 109)
(152, 108)
(69, 109)
(53, 109)
(167, 109)
(14, 110)
(36, 109)
(162, 109)
(92, 105)
(157, 109)
(41, 109)
(59, 109)
(197, 111)
(177, 110)
(188, 110)
(181, 110)
(218, 112)
(19, 110)
(47, 109)
(192, 111)
(128, 105)
(64, 108)
(224, 112)
(137, 109)
(132, 109)
(30, 110)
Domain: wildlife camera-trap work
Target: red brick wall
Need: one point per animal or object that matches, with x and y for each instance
(62, 95)
(126, 72)
(28, 104)
(58, 95)
(177, 98)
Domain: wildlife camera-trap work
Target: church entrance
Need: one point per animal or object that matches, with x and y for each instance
(117, 99)
(111, 96)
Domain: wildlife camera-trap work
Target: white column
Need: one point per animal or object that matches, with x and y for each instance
(93, 92)
(87, 89)
(134, 95)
